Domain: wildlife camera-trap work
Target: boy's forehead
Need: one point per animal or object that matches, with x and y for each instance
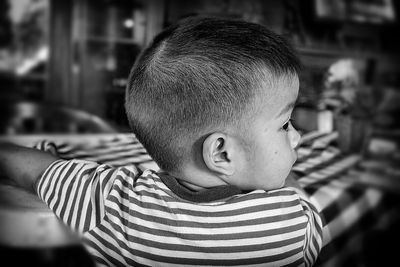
(279, 92)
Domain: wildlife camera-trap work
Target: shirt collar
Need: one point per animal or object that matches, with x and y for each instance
(206, 195)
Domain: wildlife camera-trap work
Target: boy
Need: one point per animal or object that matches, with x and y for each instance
(211, 100)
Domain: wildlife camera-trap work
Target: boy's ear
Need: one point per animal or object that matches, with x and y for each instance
(218, 152)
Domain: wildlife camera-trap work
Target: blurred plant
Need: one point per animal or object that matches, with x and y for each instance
(345, 92)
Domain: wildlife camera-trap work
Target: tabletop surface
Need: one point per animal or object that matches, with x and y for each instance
(353, 202)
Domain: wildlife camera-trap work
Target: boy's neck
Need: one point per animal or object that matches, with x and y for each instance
(197, 179)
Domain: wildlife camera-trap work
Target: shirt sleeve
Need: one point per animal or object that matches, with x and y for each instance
(313, 236)
(76, 190)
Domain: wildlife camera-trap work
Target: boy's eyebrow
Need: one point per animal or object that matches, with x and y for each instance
(286, 109)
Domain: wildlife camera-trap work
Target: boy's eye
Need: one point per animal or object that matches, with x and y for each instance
(286, 125)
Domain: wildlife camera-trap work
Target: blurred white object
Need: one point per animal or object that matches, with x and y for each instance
(344, 70)
(325, 121)
(379, 146)
(28, 64)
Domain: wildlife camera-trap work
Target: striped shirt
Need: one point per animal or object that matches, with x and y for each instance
(128, 218)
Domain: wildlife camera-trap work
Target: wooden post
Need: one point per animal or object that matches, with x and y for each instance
(60, 61)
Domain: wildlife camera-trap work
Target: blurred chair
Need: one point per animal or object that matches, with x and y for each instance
(27, 117)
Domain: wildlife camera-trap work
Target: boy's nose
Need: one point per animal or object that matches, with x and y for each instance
(294, 138)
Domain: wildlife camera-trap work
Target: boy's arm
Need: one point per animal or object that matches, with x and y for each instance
(23, 166)
(313, 237)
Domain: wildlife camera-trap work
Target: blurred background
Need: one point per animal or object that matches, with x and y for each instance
(64, 67)
(78, 53)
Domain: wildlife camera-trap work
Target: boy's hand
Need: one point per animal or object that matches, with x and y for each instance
(23, 166)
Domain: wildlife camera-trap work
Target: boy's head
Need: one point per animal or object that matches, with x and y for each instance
(214, 93)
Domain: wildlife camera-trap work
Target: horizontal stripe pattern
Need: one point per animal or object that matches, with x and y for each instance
(132, 219)
(331, 192)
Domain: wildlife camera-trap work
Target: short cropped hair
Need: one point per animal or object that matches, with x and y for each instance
(199, 76)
